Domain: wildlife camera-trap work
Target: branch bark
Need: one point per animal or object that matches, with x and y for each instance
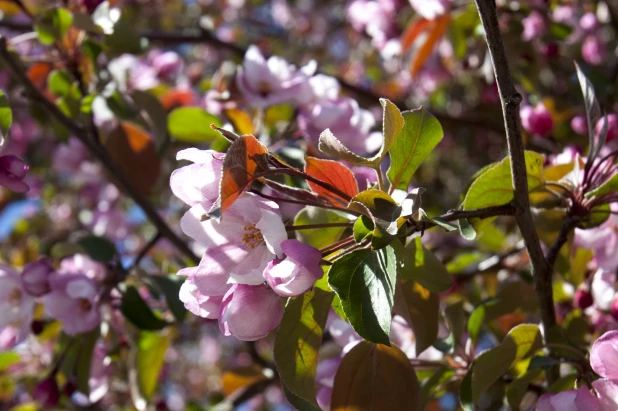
(511, 99)
(83, 134)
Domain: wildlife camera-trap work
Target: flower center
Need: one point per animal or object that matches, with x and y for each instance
(253, 236)
(15, 297)
(264, 88)
(85, 304)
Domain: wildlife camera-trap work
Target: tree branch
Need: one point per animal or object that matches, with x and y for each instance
(118, 178)
(510, 99)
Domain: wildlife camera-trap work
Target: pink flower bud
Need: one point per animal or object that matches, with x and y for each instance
(612, 127)
(534, 26)
(583, 299)
(579, 124)
(12, 172)
(35, 277)
(47, 392)
(614, 311)
(588, 22)
(593, 50)
(297, 272)
(537, 120)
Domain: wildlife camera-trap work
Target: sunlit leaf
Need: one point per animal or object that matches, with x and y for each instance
(333, 173)
(375, 377)
(53, 25)
(329, 144)
(151, 348)
(6, 116)
(192, 125)
(241, 120)
(319, 237)
(416, 263)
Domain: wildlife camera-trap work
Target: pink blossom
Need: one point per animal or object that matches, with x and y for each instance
(571, 400)
(198, 304)
(198, 183)
(12, 172)
(73, 300)
(579, 124)
(131, 73)
(250, 312)
(612, 127)
(604, 355)
(239, 247)
(603, 240)
(603, 288)
(374, 17)
(607, 390)
(325, 380)
(268, 82)
(69, 157)
(347, 121)
(588, 22)
(534, 26)
(593, 50)
(82, 264)
(430, 9)
(297, 272)
(35, 277)
(537, 119)
(167, 64)
(16, 306)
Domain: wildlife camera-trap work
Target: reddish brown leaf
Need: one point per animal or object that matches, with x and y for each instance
(435, 34)
(38, 72)
(414, 29)
(333, 173)
(375, 377)
(135, 152)
(245, 158)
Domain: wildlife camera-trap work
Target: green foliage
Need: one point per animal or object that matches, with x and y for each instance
(466, 229)
(124, 39)
(53, 25)
(418, 137)
(170, 285)
(154, 113)
(6, 116)
(8, 358)
(363, 228)
(416, 263)
(298, 341)
(98, 248)
(138, 312)
(192, 125)
(364, 280)
(384, 212)
(494, 187)
(151, 348)
(610, 186)
(319, 237)
(59, 82)
(422, 313)
(489, 366)
(83, 361)
(375, 377)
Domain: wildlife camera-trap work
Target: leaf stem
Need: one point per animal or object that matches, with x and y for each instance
(313, 226)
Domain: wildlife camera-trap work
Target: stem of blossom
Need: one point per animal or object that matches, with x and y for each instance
(511, 99)
(82, 134)
(312, 226)
(337, 245)
(301, 174)
(380, 177)
(286, 200)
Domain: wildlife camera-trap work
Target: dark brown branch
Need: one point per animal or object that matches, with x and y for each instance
(567, 226)
(511, 99)
(81, 133)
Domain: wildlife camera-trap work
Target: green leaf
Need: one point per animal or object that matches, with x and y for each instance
(392, 123)
(423, 312)
(137, 311)
(53, 25)
(610, 186)
(384, 212)
(416, 263)
(593, 114)
(364, 280)
(521, 342)
(298, 341)
(83, 361)
(6, 116)
(297, 402)
(517, 389)
(363, 228)
(418, 137)
(8, 358)
(98, 248)
(151, 348)
(123, 40)
(455, 315)
(319, 237)
(153, 110)
(329, 144)
(192, 125)
(494, 186)
(170, 287)
(466, 229)
(83, 21)
(375, 377)
(59, 82)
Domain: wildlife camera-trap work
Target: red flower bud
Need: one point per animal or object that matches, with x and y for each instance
(583, 299)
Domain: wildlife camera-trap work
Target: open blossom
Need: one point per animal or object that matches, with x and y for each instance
(537, 120)
(612, 127)
(594, 50)
(82, 264)
(198, 183)
(16, 306)
(603, 240)
(250, 312)
(268, 82)
(571, 400)
(534, 26)
(297, 272)
(348, 122)
(73, 300)
(239, 247)
(12, 173)
(198, 304)
(376, 18)
(131, 73)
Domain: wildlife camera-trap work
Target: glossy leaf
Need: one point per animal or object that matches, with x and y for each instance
(521, 342)
(298, 341)
(416, 263)
(6, 116)
(244, 159)
(98, 248)
(192, 125)
(494, 187)
(137, 311)
(375, 377)
(418, 137)
(53, 25)
(333, 173)
(364, 280)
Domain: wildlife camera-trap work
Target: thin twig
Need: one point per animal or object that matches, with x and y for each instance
(511, 99)
(119, 179)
